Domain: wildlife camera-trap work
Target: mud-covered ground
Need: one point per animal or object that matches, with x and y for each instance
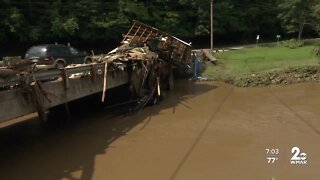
(205, 130)
(288, 76)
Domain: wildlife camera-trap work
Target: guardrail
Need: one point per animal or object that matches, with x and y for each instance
(55, 73)
(39, 91)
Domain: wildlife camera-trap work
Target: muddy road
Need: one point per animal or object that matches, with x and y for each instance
(205, 130)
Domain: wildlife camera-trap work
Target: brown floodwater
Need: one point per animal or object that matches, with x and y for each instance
(203, 130)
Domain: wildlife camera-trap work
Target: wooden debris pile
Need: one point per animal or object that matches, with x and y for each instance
(15, 66)
(149, 55)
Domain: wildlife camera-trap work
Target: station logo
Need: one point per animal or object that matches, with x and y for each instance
(298, 157)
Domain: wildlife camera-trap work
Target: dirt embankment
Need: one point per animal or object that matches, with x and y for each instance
(288, 76)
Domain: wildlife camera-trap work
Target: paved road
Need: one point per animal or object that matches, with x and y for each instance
(206, 130)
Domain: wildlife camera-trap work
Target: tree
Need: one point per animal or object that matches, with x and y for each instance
(316, 16)
(90, 21)
(295, 14)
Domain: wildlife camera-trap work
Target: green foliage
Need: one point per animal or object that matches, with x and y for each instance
(295, 14)
(316, 52)
(292, 43)
(246, 16)
(316, 16)
(96, 20)
(70, 25)
(260, 66)
(252, 60)
(286, 76)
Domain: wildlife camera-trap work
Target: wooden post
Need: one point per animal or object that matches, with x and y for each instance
(158, 86)
(104, 81)
(38, 102)
(65, 78)
(93, 73)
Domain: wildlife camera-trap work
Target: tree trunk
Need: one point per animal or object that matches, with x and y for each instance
(301, 26)
(300, 30)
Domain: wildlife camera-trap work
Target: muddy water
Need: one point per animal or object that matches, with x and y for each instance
(200, 131)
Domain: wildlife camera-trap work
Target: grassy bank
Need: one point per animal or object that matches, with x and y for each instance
(261, 62)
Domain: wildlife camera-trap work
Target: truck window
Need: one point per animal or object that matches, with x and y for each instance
(37, 51)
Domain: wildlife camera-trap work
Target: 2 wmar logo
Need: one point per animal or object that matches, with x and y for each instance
(298, 158)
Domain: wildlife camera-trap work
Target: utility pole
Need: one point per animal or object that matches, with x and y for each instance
(211, 25)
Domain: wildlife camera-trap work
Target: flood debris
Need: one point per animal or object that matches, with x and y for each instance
(287, 76)
(104, 81)
(149, 55)
(206, 55)
(11, 66)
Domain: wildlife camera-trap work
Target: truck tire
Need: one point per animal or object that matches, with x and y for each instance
(60, 65)
(88, 61)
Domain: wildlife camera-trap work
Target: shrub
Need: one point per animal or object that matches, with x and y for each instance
(292, 43)
(317, 52)
(312, 42)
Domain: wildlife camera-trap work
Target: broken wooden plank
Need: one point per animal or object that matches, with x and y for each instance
(206, 54)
